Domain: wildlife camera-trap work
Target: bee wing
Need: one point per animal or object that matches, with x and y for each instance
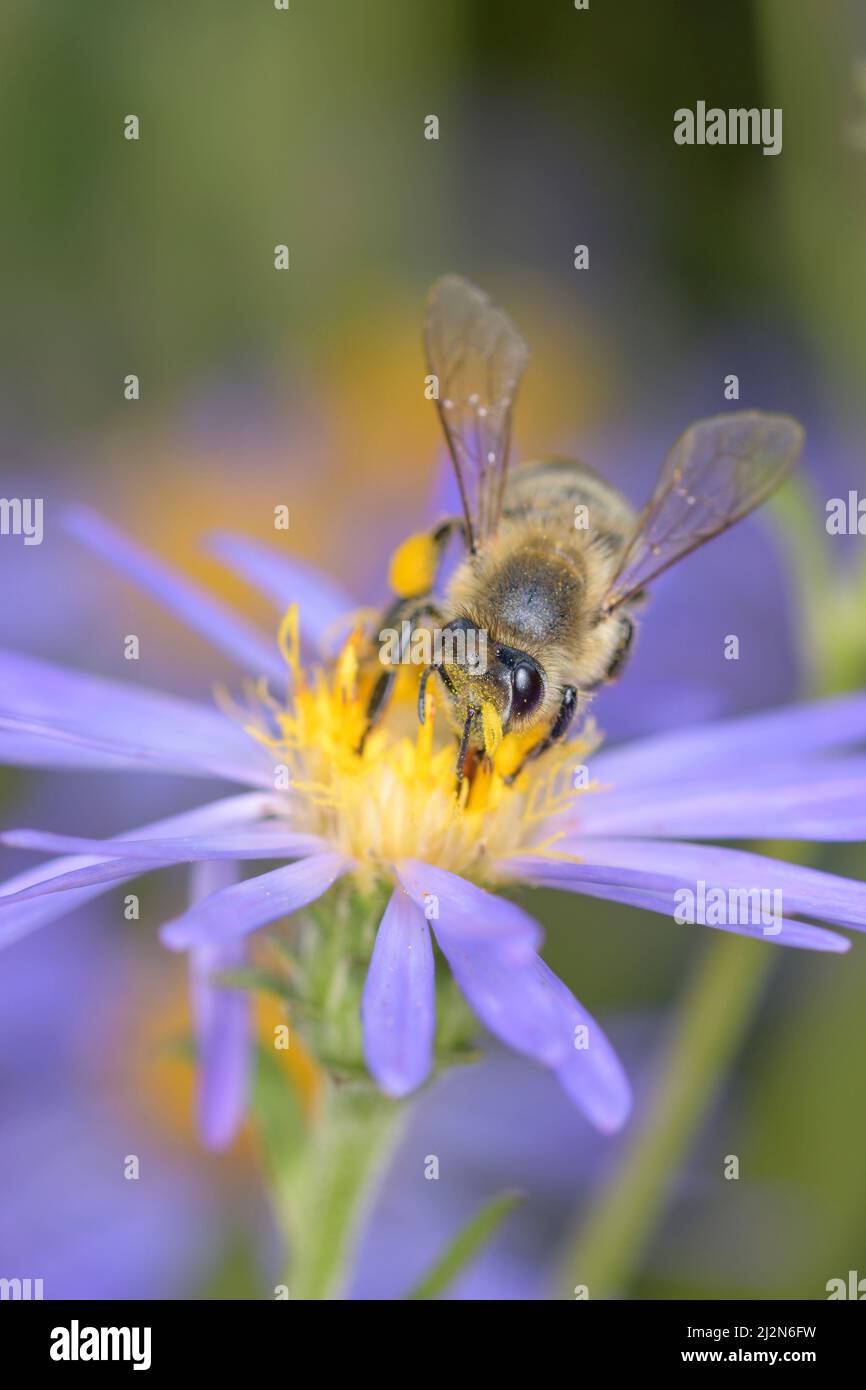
(718, 471)
(478, 357)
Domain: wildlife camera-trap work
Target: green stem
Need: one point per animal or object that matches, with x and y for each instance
(711, 1023)
(331, 1183)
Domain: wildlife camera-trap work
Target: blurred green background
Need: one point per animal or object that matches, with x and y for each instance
(306, 127)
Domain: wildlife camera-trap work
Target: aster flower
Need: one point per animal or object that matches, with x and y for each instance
(626, 825)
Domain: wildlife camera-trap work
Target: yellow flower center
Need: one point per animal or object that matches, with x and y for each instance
(393, 795)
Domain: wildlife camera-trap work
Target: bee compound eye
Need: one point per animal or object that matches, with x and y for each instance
(527, 688)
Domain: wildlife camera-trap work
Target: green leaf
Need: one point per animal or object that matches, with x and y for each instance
(479, 1229)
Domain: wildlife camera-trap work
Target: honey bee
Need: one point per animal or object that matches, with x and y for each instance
(556, 559)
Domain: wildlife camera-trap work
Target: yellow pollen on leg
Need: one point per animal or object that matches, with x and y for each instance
(491, 727)
(413, 566)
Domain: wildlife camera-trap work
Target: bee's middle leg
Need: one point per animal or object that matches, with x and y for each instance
(558, 729)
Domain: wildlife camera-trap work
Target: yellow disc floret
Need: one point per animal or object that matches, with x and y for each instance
(392, 795)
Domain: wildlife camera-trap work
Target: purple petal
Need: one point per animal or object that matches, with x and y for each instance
(510, 996)
(284, 579)
(454, 904)
(753, 741)
(803, 890)
(81, 872)
(817, 800)
(48, 748)
(236, 911)
(269, 841)
(592, 1074)
(18, 921)
(253, 650)
(86, 721)
(524, 1004)
(222, 1023)
(398, 1008)
(623, 886)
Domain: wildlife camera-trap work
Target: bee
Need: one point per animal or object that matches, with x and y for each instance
(556, 559)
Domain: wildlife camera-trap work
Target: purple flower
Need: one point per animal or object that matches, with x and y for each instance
(624, 825)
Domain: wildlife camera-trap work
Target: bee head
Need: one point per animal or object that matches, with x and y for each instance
(489, 688)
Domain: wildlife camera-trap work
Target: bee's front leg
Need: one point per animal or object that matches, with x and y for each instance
(401, 612)
(558, 729)
(380, 697)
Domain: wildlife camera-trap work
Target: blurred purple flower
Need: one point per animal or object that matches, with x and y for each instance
(70, 1217)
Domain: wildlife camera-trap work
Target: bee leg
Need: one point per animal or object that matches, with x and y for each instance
(446, 529)
(409, 611)
(464, 751)
(627, 630)
(401, 611)
(558, 729)
(377, 704)
(422, 692)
